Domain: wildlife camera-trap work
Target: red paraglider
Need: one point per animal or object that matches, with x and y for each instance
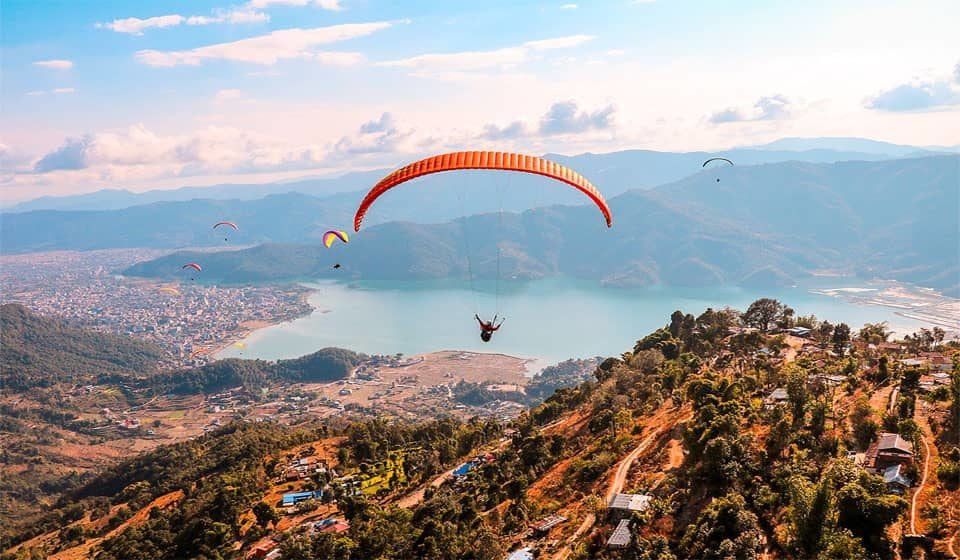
(194, 266)
(502, 161)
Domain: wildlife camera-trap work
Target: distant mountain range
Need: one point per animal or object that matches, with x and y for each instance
(761, 225)
(614, 172)
(858, 145)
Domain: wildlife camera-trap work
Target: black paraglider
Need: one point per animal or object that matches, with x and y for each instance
(716, 159)
(336, 265)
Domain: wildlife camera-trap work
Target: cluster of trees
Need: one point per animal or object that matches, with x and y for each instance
(327, 364)
(770, 478)
(39, 352)
(220, 474)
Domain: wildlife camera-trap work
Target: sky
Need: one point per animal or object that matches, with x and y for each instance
(144, 95)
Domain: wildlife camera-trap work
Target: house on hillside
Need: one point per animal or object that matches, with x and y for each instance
(801, 332)
(889, 449)
(777, 397)
(297, 497)
(622, 506)
(263, 549)
(621, 535)
(826, 380)
(913, 362)
(896, 482)
(543, 526)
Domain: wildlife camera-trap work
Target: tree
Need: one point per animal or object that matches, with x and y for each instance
(864, 426)
(938, 336)
(818, 417)
(810, 507)
(874, 333)
(841, 338)
(265, 513)
(765, 313)
(797, 392)
(824, 332)
(724, 529)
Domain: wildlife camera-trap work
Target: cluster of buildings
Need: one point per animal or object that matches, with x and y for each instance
(620, 509)
(183, 318)
(888, 456)
(464, 469)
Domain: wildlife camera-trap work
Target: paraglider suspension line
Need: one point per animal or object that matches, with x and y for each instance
(466, 243)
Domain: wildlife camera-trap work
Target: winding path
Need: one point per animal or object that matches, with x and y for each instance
(923, 482)
(616, 485)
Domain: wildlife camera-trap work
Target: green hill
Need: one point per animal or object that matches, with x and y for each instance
(39, 352)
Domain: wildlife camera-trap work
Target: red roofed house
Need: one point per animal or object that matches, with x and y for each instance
(889, 449)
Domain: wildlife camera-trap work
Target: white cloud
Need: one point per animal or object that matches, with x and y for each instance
(564, 117)
(559, 42)
(919, 95)
(230, 16)
(332, 5)
(227, 95)
(916, 97)
(383, 124)
(768, 108)
(57, 64)
(37, 92)
(135, 26)
(139, 151)
(268, 49)
(568, 7)
(466, 61)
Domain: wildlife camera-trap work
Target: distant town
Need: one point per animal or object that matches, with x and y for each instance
(188, 319)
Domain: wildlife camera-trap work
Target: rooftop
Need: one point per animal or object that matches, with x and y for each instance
(621, 535)
(889, 441)
(631, 502)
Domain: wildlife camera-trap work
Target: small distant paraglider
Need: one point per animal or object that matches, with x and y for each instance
(194, 266)
(168, 290)
(332, 235)
(717, 159)
(228, 224)
(197, 352)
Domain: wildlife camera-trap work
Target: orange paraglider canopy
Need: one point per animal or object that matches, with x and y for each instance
(502, 161)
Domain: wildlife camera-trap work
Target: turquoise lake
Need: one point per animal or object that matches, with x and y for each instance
(550, 320)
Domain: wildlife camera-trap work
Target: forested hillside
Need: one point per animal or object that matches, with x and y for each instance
(732, 438)
(41, 352)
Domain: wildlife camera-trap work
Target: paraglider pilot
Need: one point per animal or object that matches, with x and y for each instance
(487, 329)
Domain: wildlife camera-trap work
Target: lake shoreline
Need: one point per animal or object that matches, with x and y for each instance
(416, 318)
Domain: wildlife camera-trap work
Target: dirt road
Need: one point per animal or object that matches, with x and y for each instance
(923, 482)
(414, 498)
(616, 485)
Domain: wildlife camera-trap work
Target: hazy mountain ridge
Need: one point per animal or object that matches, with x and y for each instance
(616, 172)
(853, 216)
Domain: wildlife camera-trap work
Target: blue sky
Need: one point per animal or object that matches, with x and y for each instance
(139, 95)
